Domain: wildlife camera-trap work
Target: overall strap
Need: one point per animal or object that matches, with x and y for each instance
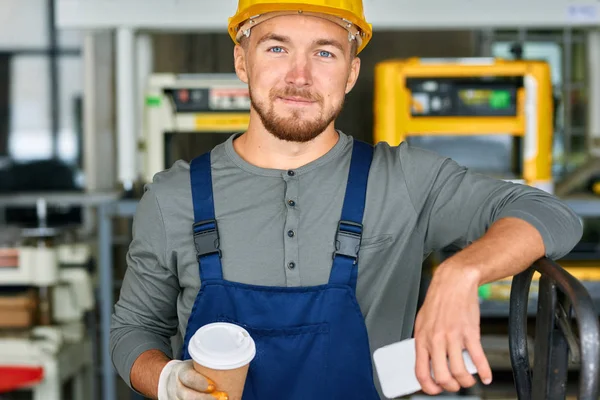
(206, 233)
(349, 233)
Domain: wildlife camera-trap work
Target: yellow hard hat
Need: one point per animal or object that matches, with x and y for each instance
(347, 13)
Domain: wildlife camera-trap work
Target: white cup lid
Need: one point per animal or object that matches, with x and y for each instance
(222, 346)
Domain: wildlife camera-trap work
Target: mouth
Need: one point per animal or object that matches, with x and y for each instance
(296, 101)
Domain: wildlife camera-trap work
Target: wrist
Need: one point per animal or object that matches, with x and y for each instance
(146, 370)
(470, 275)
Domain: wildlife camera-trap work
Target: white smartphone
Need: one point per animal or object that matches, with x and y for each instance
(395, 366)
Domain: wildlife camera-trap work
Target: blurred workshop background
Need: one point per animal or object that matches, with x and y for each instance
(98, 95)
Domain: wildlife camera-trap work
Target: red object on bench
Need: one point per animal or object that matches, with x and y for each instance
(17, 377)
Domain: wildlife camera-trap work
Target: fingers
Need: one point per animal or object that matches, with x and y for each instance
(194, 386)
(423, 369)
(447, 365)
(475, 350)
(439, 362)
(220, 395)
(195, 381)
(457, 365)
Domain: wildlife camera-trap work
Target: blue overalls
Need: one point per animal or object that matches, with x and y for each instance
(311, 342)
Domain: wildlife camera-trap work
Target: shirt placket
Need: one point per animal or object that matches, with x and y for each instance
(290, 231)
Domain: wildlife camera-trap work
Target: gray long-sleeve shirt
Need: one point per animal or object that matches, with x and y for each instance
(417, 202)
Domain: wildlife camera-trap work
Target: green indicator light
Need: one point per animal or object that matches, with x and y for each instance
(484, 291)
(153, 101)
(500, 99)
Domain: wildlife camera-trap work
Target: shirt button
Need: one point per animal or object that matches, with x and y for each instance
(291, 265)
(291, 233)
(291, 173)
(291, 203)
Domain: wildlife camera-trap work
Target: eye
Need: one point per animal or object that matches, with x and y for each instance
(324, 53)
(276, 49)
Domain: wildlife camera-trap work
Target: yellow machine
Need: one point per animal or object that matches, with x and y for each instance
(491, 115)
(494, 116)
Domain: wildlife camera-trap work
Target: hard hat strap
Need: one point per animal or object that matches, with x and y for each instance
(353, 32)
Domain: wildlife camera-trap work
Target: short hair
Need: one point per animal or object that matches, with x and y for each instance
(243, 41)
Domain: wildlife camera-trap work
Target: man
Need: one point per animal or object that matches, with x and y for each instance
(291, 201)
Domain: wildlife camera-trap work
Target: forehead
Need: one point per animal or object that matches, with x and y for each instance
(301, 28)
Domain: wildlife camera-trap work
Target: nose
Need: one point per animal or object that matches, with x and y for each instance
(299, 73)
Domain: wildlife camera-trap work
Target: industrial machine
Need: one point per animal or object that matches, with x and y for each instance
(494, 116)
(46, 292)
(211, 105)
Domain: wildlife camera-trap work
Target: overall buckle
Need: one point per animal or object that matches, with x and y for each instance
(348, 239)
(206, 238)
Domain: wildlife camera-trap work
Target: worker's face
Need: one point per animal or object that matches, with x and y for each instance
(298, 69)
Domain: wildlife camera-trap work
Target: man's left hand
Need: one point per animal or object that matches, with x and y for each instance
(448, 323)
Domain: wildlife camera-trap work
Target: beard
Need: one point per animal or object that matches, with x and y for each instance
(294, 128)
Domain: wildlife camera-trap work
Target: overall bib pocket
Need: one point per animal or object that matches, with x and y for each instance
(282, 355)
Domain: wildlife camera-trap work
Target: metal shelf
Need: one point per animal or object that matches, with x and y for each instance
(58, 198)
(106, 212)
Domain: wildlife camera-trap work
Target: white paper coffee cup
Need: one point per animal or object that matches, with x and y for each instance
(222, 352)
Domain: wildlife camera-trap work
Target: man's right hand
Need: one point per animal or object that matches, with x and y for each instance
(180, 381)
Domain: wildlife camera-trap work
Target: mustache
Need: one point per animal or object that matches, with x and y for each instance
(291, 91)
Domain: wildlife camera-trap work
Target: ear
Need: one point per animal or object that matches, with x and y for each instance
(353, 75)
(239, 58)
